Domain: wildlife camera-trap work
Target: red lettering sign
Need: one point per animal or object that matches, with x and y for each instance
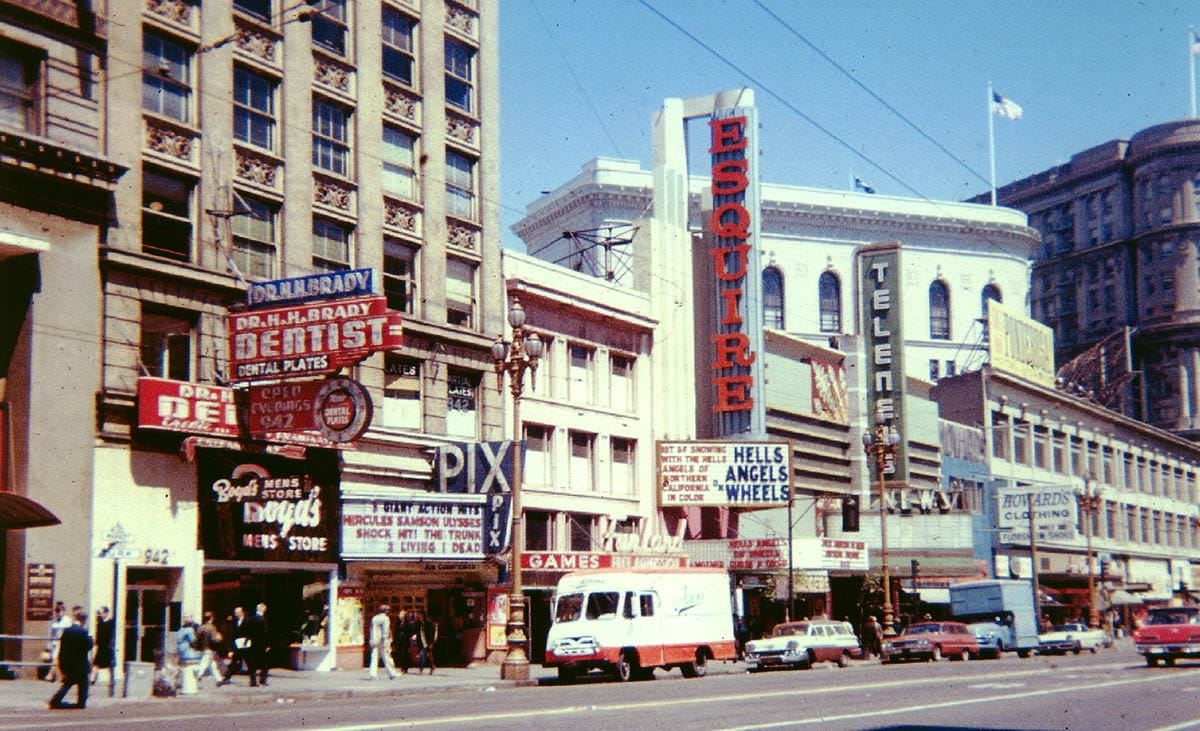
(310, 339)
(193, 408)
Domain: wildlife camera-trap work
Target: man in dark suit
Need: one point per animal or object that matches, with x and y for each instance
(242, 648)
(260, 643)
(74, 662)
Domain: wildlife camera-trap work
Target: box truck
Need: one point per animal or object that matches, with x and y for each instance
(628, 622)
(999, 612)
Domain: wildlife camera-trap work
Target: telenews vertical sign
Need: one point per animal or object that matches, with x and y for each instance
(879, 278)
(737, 337)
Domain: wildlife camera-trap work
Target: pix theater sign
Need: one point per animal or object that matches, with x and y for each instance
(310, 339)
(737, 326)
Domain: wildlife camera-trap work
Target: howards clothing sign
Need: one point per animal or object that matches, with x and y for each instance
(262, 507)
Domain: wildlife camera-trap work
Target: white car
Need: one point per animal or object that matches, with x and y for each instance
(800, 644)
(1071, 637)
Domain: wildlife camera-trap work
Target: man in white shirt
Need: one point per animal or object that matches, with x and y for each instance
(381, 644)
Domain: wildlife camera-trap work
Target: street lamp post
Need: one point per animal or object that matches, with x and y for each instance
(516, 358)
(1089, 505)
(880, 445)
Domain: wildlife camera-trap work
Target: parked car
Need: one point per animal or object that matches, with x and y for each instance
(931, 641)
(800, 644)
(1169, 633)
(1071, 637)
(993, 638)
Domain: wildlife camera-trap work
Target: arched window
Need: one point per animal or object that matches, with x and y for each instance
(772, 295)
(990, 292)
(939, 311)
(830, 290)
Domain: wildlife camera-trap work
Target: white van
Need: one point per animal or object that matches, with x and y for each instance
(630, 621)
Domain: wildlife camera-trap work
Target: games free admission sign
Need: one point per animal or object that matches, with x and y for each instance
(310, 339)
(724, 473)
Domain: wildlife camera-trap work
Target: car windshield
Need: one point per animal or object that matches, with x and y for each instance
(1173, 616)
(1066, 628)
(921, 629)
(786, 630)
(569, 608)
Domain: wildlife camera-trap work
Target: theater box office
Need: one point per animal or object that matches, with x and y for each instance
(269, 531)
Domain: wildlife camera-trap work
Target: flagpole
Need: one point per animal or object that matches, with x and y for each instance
(991, 139)
(1192, 66)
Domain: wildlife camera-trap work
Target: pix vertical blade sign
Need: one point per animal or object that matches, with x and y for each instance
(481, 468)
(263, 507)
(880, 281)
(736, 336)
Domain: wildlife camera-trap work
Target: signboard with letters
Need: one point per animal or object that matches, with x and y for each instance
(338, 408)
(437, 529)
(882, 328)
(326, 285)
(310, 339)
(575, 560)
(39, 592)
(1020, 345)
(770, 555)
(481, 468)
(1055, 513)
(743, 474)
(262, 507)
(192, 408)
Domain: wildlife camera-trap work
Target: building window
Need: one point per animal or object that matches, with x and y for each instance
(253, 109)
(460, 62)
(254, 237)
(260, 9)
(537, 531)
(772, 294)
(401, 393)
(460, 185)
(624, 468)
(581, 384)
(331, 137)
(329, 26)
(581, 531)
(399, 173)
(462, 411)
(583, 461)
(167, 343)
(537, 463)
(830, 294)
(951, 368)
(934, 369)
(167, 214)
(398, 46)
(19, 71)
(460, 293)
(990, 293)
(331, 245)
(621, 383)
(939, 311)
(166, 78)
(399, 275)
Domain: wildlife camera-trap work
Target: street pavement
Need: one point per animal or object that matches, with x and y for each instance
(288, 686)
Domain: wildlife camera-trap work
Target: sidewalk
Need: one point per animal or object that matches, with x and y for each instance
(285, 686)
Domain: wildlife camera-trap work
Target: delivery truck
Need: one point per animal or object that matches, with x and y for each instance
(627, 622)
(999, 612)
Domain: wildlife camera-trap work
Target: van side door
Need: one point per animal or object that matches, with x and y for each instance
(640, 610)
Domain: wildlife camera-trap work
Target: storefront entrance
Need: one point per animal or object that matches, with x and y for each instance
(152, 612)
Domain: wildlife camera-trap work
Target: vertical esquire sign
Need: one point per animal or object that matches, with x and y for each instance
(734, 226)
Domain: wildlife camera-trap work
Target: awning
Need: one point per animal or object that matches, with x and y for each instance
(1120, 598)
(18, 511)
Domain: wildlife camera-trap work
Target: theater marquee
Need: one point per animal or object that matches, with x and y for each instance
(731, 474)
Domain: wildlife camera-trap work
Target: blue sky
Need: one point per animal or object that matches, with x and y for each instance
(581, 79)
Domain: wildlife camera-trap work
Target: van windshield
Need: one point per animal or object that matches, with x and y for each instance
(569, 608)
(602, 604)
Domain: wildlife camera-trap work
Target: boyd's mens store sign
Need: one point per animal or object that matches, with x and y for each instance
(262, 507)
(413, 529)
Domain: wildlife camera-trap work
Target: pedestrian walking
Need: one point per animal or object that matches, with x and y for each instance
(188, 654)
(208, 642)
(260, 644)
(102, 662)
(74, 650)
(872, 636)
(239, 652)
(406, 641)
(380, 640)
(427, 634)
(58, 625)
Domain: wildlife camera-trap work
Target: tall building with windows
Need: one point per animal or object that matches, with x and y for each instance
(1116, 274)
(272, 140)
